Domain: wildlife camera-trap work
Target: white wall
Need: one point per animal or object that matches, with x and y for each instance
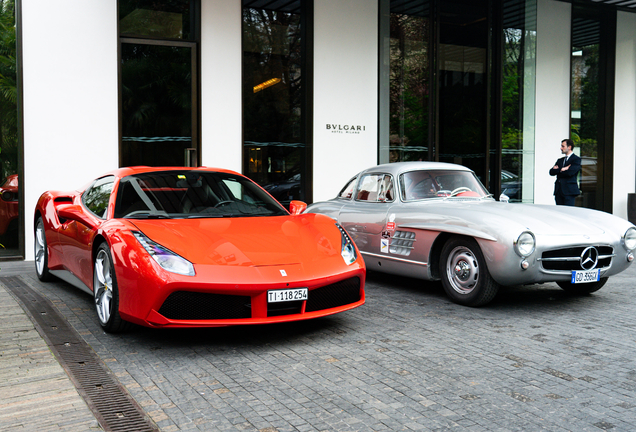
(625, 112)
(553, 92)
(70, 96)
(221, 102)
(345, 91)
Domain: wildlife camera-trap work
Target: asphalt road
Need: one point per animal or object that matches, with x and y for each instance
(409, 359)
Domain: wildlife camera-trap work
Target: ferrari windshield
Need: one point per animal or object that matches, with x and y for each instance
(423, 184)
(192, 194)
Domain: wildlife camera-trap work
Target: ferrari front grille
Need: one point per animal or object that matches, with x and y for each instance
(187, 305)
(339, 294)
(569, 259)
(284, 308)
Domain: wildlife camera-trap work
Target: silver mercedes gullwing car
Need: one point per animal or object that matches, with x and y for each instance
(433, 220)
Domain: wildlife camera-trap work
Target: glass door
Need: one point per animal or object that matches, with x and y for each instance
(159, 82)
(517, 100)
(463, 84)
(409, 90)
(592, 104)
(157, 104)
(457, 85)
(275, 98)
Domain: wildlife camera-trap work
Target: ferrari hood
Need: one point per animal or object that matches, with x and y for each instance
(253, 241)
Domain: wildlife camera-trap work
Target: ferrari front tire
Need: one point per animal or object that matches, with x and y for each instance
(41, 252)
(464, 274)
(582, 289)
(106, 293)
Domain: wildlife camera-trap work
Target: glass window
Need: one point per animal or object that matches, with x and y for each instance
(192, 194)
(159, 90)
(462, 79)
(156, 19)
(375, 188)
(97, 196)
(347, 191)
(417, 185)
(591, 71)
(274, 42)
(518, 84)
(9, 212)
(440, 91)
(157, 104)
(10, 218)
(409, 87)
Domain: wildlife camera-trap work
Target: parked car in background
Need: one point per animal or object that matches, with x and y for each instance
(436, 221)
(510, 185)
(285, 192)
(9, 210)
(194, 247)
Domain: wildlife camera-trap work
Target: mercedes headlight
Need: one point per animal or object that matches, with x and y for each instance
(524, 246)
(347, 250)
(167, 259)
(629, 239)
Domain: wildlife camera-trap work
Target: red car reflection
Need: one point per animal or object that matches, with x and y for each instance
(9, 204)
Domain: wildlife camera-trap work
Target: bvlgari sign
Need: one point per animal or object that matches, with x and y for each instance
(345, 128)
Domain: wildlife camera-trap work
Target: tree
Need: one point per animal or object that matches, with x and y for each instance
(8, 90)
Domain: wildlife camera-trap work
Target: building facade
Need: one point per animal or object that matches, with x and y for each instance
(301, 95)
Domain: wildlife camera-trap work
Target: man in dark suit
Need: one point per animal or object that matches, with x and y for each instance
(566, 169)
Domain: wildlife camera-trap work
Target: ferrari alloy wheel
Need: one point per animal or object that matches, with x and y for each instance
(582, 289)
(106, 293)
(464, 273)
(41, 253)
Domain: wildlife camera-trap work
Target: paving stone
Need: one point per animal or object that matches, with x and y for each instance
(534, 359)
(35, 391)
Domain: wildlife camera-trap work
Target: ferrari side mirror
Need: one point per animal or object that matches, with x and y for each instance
(297, 207)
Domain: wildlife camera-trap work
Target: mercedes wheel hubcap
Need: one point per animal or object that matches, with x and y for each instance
(462, 270)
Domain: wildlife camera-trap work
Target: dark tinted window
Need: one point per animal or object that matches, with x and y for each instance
(157, 19)
(156, 104)
(158, 82)
(275, 97)
(96, 197)
(409, 80)
(347, 191)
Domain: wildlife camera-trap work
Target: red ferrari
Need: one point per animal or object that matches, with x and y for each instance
(186, 247)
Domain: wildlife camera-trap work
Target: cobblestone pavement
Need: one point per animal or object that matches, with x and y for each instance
(409, 359)
(35, 391)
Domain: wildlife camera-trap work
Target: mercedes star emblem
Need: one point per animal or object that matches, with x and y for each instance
(589, 258)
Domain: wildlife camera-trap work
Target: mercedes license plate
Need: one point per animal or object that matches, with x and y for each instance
(585, 276)
(275, 296)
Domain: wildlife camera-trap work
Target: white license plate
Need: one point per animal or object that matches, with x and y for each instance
(275, 296)
(585, 276)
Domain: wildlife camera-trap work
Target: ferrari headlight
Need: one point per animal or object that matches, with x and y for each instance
(348, 250)
(167, 259)
(525, 244)
(629, 239)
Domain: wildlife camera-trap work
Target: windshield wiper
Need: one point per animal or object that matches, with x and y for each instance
(147, 215)
(205, 216)
(230, 215)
